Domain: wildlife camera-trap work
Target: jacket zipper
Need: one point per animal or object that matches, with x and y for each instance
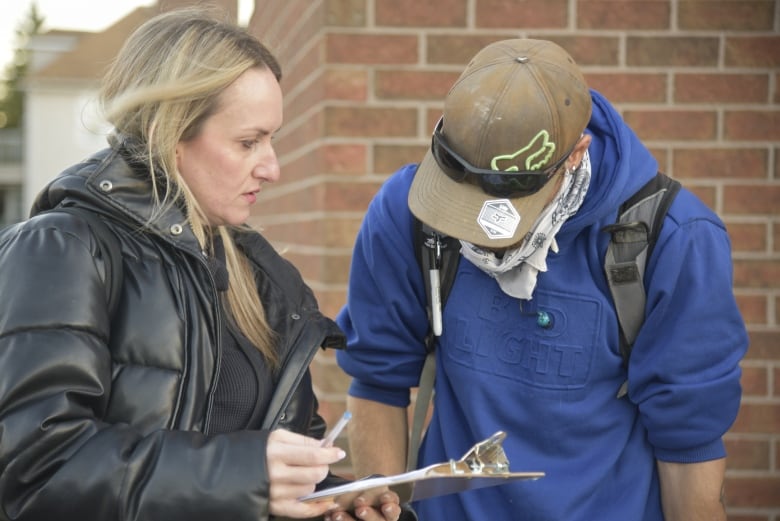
(287, 387)
(218, 345)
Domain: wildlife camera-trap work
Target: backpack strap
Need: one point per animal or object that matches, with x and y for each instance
(633, 238)
(421, 405)
(109, 248)
(438, 258)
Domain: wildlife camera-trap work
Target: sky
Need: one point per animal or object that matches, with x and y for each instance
(83, 15)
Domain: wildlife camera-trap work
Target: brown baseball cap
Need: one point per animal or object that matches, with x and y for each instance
(520, 105)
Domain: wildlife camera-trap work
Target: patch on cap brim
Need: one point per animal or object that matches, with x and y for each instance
(460, 210)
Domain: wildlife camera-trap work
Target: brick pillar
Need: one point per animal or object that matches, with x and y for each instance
(698, 81)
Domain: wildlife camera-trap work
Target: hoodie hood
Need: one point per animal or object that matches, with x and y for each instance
(620, 163)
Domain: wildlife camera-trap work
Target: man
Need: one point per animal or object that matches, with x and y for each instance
(526, 167)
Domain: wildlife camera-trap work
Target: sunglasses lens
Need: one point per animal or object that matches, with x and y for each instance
(446, 161)
(503, 185)
(496, 183)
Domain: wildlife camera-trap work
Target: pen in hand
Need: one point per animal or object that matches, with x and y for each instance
(328, 440)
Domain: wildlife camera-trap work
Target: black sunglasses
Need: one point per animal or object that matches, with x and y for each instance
(494, 182)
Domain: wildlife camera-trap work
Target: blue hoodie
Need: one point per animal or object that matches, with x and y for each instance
(553, 389)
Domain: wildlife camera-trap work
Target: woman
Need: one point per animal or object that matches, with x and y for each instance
(192, 398)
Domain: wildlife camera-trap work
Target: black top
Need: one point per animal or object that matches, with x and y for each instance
(244, 383)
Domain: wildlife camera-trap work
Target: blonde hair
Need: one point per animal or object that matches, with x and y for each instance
(164, 83)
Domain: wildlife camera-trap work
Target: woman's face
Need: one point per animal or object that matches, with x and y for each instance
(227, 162)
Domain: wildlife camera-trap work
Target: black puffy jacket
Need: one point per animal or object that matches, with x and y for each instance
(102, 417)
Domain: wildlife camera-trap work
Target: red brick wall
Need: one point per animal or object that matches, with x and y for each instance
(699, 80)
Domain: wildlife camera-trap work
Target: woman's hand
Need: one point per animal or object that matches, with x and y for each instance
(296, 463)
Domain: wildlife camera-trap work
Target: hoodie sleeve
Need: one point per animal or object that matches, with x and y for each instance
(385, 318)
(684, 369)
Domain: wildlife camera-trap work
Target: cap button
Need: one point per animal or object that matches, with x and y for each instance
(522, 59)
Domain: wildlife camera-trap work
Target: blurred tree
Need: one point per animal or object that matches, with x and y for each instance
(11, 95)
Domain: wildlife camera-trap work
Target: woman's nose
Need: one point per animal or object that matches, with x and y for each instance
(268, 168)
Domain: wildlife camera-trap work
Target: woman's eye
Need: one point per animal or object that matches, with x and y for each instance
(249, 144)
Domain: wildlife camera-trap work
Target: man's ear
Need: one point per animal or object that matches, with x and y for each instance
(575, 158)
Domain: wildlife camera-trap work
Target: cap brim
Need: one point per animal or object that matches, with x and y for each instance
(454, 208)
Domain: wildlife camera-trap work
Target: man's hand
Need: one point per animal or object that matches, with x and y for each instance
(388, 509)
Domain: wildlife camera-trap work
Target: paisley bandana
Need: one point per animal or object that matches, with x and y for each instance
(517, 269)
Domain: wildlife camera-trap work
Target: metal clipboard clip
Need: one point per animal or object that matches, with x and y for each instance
(486, 457)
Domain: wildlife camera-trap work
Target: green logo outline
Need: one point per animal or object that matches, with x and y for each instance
(536, 160)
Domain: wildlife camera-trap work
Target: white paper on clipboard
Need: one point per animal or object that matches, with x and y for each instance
(484, 465)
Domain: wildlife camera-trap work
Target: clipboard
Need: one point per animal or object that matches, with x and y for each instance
(484, 465)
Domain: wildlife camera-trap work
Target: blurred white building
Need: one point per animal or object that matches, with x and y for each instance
(11, 175)
(62, 125)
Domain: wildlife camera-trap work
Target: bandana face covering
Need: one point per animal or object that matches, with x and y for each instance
(517, 270)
